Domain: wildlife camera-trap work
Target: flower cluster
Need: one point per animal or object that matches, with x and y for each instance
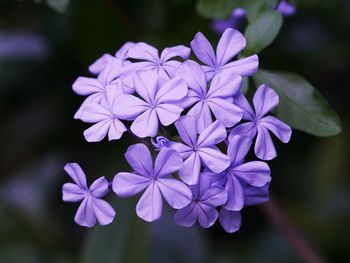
(202, 170)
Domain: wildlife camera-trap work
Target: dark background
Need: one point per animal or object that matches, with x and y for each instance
(44, 48)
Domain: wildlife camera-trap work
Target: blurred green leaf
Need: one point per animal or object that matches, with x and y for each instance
(59, 6)
(301, 106)
(217, 8)
(256, 7)
(124, 240)
(262, 31)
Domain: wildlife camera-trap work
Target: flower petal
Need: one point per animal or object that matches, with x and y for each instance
(246, 129)
(241, 101)
(238, 148)
(186, 216)
(100, 64)
(214, 196)
(173, 90)
(207, 215)
(168, 161)
(277, 127)
(103, 211)
(72, 193)
(76, 173)
(183, 150)
(190, 170)
(139, 158)
(168, 113)
(175, 192)
(254, 173)
(85, 215)
(212, 135)
(265, 100)
(235, 198)
(143, 51)
(214, 159)
(94, 112)
(230, 44)
(128, 107)
(225, 111)
(230, 220)
(264, 148)
(202, 115)
(123, 51)
(129, 184)
(186, 130)
(111, 71)
(245, 66)
(146, 84)
(224, 85)
(176, 51)
(99, 188)
(203, 50)
(171, 67)
(150, 205)
(145, 125)
(93, 98)
(97, 131)
(256, 195)
(85, 86)
(116, 130)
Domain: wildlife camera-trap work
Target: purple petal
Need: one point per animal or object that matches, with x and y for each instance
(254, 173)
(103, 211)
(286, 9)
(94, 112)
(241, 101)
(214, 196)
(265, 100)
(186, 130)
(207, 215)
(245, 66)
(191, 98)
(129, 184)
(264, 148)
(139, 158)
(209, 72)
(238, 148)
(97, 131)
(168, 113)
(143, 51)
(277, 127)
(146, 84)
(72, 193)
(85, 215)
(172, 90)
(85, 86)
(76, 173)
(123, 51)
(202, 115)
(183, 150)
(186, 216)
(93, 98)
(145, 125)
(214, 159)
(256, 195)
(168, 161)
(225, 85)
(235, 198)
(225, 111)
(128, 107)
(231, 43)
(150, 205)
(246, 129)
(100, 64)
(203, 50)
(99, 188)
(171, 67)
(190, 170)
(212, 135)
(111, 71)
(216, 179)
(176, 51)
(194, 76)
(175, 192)
(116, 130)
(230, 220)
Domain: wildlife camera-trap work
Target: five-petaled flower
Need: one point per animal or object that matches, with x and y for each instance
(155, 179)
(92, 206)
(265, 100)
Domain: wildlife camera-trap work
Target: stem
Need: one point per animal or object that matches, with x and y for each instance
(305, 252)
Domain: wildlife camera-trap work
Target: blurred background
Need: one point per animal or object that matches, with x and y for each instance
(46, 45)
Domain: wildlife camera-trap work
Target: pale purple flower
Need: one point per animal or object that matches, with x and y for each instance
(92, 207)
(160, 142)
(104, 116)
(231, 43)
(286, 9)
(95, 88)
(230, 220)
(265, 100)
(254, 173)
(149, 59)
(155, 180)
(205, 199)
(217, 99)
(202, 150)
(238, 15)
(158, 103)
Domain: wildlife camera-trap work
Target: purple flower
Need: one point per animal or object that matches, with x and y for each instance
(202, 150)
(234, 21)
(158, 103)
(217, 99)
(150, 59)
(265, 100)
(231, 43)
(105, 118)
(205, 199)
(154, 179)
(286, 9)
(160, 142)
(255, 173)
(230, 220)
(92, 206)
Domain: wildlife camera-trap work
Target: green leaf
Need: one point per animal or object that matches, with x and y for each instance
(59, 6)
(262, 31)
(255, 7)
(117, 242)
(301, 106)
(219, 9)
